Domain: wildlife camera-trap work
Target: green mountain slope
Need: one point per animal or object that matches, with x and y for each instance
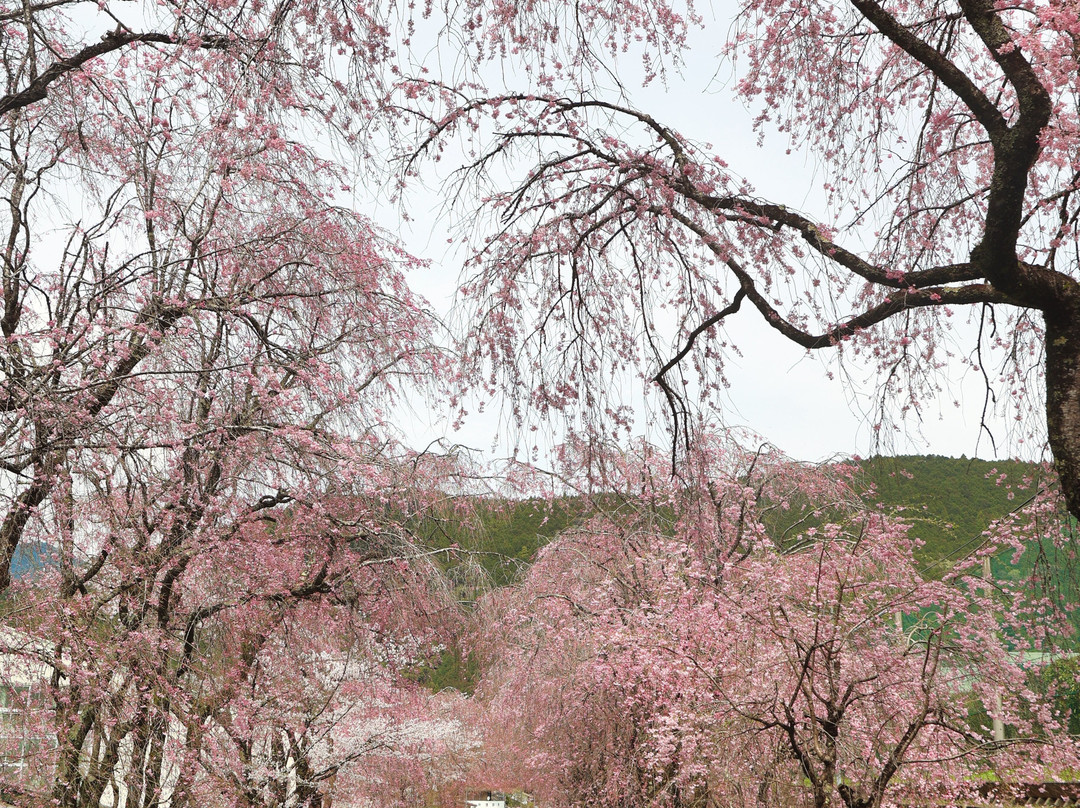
(498, 537)
(949, 501)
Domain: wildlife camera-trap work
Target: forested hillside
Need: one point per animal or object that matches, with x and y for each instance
(949, 502)
(502, 536)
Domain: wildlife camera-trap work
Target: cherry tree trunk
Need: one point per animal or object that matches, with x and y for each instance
(1063, 399)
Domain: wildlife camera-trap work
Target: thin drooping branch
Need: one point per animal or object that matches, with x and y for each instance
(709, 322)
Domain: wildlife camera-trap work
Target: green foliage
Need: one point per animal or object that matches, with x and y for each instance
(499, 537)
(513, 534)
(449, 669)
(1060, 679)
(949, 501)
(493, 540)
(789, 523)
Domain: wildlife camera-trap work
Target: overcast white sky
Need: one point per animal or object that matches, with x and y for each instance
(825, 417)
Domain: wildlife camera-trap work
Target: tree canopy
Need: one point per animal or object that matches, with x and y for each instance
(202, 344)
(945, 137)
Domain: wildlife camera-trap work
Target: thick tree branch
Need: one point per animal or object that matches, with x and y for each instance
(903, 300)
(38, 89)
(1031, 96)
(825, 246)
(984, 110)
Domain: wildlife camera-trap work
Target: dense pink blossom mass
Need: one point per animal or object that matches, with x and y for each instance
(732, 648)
(199, 344)
(202, 345)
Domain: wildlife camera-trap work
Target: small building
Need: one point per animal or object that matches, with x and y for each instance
(484, 799)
